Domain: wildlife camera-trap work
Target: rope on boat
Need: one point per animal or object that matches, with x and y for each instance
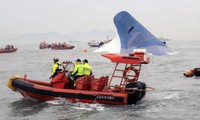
(9, 84)
(136, 89)
(150, 89)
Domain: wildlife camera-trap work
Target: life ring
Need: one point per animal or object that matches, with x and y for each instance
(135, 77)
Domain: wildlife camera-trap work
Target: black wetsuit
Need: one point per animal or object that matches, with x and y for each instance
(196, 71)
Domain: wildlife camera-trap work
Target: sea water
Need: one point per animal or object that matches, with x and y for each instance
(175, 97)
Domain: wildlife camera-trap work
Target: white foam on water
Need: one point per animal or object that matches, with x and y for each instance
(113, 46)
(77, 105)
(173, 53)
(172, 96)
(88, 107)
(59, 101)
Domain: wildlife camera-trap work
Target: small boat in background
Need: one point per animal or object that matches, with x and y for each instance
(94, 43)
(8, 49)
(44, 45)
(55, 46)
(61, 46)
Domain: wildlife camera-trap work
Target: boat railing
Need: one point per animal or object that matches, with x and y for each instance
(130, 73)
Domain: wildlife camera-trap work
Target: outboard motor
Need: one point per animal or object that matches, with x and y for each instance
(137, 91)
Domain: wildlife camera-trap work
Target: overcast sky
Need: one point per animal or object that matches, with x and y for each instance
(174, 19)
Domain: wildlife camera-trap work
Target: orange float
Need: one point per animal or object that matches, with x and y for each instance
(84, 50)
(190, 73)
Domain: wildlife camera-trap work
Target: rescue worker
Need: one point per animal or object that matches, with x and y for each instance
(87, 69)
(55, 68)
(78, 70)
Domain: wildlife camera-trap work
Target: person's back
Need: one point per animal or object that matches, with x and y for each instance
(78, 69)
(55, 68)
(87, 69)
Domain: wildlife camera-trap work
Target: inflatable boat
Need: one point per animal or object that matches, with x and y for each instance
(89, 89)
(3, 50)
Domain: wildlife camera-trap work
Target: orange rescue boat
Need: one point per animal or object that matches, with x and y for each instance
(3, 50)
(89, 89)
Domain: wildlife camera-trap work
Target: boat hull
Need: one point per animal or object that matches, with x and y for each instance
(93, 45)
(45, 92)
(3, 50)
(62, 48)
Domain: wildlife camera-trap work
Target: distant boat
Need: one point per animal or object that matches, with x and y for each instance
(8, 49)
(61, 47)
(44, 45)
(56, 46)
(94, 43)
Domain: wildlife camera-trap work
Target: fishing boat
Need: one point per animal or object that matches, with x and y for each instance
(94, 43)
(121, 88)
(55, 46)
(61, 46)
(44, 45)
(8, 49)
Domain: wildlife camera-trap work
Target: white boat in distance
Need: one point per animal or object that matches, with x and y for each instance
(95, 43)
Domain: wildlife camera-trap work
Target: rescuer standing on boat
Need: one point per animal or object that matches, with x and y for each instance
(55, 68)
(78, 69)
(87, 69)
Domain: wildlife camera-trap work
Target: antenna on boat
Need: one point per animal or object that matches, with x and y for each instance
(107, 36)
